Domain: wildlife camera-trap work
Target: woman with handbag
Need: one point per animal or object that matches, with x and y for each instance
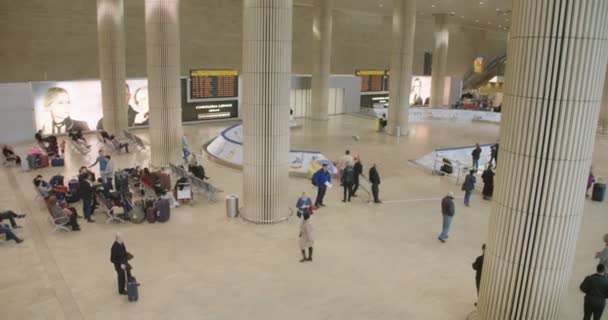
(304, 203)
(120, 258)
(306, 236)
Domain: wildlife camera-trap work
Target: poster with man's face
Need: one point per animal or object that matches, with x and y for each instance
(76, 105)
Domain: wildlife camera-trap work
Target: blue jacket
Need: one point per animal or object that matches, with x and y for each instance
(303, 202)
(320, 177)
(469, 182)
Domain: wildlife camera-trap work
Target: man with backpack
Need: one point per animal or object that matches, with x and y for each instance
(321, 179)
(476, 154)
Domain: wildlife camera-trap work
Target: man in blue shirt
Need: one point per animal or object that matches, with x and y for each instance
(103, 163)
(321, 179)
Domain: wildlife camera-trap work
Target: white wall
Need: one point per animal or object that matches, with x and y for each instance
(16, 113)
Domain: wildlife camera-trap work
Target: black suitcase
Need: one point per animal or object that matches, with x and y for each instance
(132, 289)
(599, 192)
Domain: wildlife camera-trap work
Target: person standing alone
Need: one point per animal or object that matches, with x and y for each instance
(348, 180)
(119, 258)
(478, 266)
(322, 180)
(488, 182)
(447, 212)
(374, 179)
(468, 186)
(476, 154)
(595, 288)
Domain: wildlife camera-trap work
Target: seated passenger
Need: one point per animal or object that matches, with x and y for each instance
(58, 211)
(197, 170)
(9, 155)
(38, 136)
(77, 137)
(105, 136)
(8, 233)
(119, 145)
(446, 168)
(42, 186)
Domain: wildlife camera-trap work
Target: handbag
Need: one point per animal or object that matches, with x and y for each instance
(129, 256)
(462, 187)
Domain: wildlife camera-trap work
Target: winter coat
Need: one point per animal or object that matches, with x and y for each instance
(447, 206)
(320, 177)
(374, 177)
(307, 239)
(348, 175)
(469, 182)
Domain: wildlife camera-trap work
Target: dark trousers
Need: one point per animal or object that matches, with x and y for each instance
(87, 206)
(8, 233)
(477, 283)
(375, 191)
(355, 186)
(320, 195)
(348, 191)
(122, 278)
(593, 309)
(475, 163)
(10, 215)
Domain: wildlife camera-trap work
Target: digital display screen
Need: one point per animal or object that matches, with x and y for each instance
(205, 84)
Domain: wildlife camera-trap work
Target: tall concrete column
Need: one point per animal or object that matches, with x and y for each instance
(557, 59)
(163, 65)
(321, 58)
(440, 59)
(402, 55)
(112, 69)
(603, 123)
(267, 28)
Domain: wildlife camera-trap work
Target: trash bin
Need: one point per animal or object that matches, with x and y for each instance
(232, 205)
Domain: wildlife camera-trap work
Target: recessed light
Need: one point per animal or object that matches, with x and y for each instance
(507, 20)
(381, 5)
(476, 20)
(500, 25)
(452, 13)
(432, 6)
(497, 9)
(489, 22)
(480, 2)
(462, 17)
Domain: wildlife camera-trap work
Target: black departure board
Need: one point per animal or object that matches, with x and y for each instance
(372, 80)
(205, 84)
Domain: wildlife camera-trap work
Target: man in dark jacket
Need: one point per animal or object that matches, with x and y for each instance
(468, 186)
(476, 154)
(447, 212)
(120, 258)
(358, 167)
(595, 288)
(321, 179)
(478, 266)
(488, 182)
(494, 153)
(374, 179)
(348, 179)
(86, 193)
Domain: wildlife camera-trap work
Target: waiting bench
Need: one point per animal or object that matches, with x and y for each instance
(210, 190)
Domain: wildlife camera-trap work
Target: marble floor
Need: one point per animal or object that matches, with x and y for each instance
(371, 261)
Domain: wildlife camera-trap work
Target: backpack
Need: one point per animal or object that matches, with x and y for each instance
(312, 180)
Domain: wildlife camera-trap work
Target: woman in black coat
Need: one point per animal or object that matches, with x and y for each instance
(488, 183)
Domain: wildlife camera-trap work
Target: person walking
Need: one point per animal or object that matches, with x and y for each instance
(488, 182)
(494, 153)
(120, 259)
(478, 266)
(103, 162)
(306, 237)
(11, 216)
(447, 212)
(322, 180)
(476, 154)
(468, 186)
(345, 160)
(590, 181)
(595, 288)
(348, 179)
(374, 179)
(358, 168)
(303, 204)
(603, 255)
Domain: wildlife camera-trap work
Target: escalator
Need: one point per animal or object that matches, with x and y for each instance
(496, 68)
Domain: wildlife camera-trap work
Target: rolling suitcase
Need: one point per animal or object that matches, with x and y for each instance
(151, 215)
(163, 210)
(57, 162)
(132, 290)
(599, 192)
(43, 161)
(165, 180)
(32, 161)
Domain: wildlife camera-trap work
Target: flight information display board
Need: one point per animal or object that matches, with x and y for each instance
(205, 84)
(372, 80)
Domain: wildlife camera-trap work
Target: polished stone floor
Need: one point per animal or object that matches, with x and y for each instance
(371, 261)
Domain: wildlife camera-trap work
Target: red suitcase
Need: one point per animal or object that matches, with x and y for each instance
(44, 161)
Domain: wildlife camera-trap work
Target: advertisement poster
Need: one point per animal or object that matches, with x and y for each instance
(60, 106)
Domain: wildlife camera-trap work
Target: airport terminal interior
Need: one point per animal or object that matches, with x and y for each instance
(158, 154)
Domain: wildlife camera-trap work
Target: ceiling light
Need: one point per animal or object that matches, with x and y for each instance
(476, 20)
(480, 2)
(500, 25)
(462, 17)
(381, 5)
(432, 6)
(489, 22)
(497, 9)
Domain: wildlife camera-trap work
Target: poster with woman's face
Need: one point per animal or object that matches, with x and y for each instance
(76, 105)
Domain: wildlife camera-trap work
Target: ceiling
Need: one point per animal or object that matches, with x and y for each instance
(490, 14)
